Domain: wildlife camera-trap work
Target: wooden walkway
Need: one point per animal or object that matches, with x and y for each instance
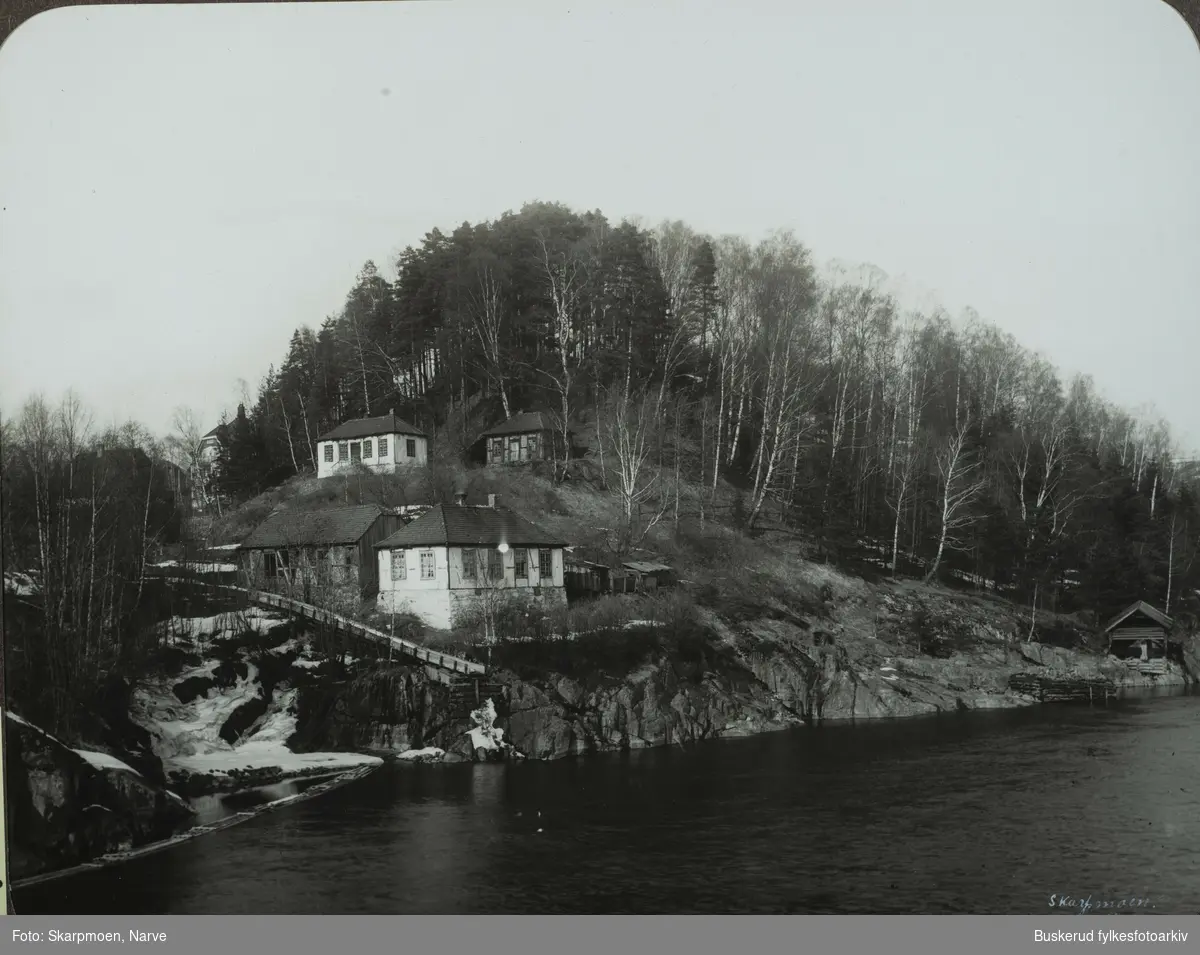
(442, 667)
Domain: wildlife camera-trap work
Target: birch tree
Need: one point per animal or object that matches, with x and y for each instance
(959, 484)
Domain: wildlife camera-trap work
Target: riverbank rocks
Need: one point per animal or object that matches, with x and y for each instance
(652, 706)
(66, 807)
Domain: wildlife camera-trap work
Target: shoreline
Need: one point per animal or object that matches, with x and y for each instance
(331, 782)
(336, 779)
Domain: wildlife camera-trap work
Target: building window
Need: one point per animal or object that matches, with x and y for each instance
(368, 448)
(470, 564)
(329, 454)
(410, 448)
(343, 450)
(355, 450)
(546, 564)
(495, 565)
(383, 450)
(399, 565)
(521, 563)
(270, 566)
(427, 565)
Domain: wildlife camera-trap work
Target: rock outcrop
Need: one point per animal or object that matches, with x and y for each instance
(67, 807)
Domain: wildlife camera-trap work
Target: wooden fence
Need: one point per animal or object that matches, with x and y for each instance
(439, 665)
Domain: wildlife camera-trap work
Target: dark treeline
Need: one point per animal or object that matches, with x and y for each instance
(933, 447)
(84, 512)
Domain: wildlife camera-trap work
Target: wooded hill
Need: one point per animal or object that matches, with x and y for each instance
(924, 445)
(682, 365)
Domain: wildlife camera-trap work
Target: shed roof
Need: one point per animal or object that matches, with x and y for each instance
(327, 526)
(525, 423)
(1139, 607)
(458, 524)
(371, 427)
(645, 566)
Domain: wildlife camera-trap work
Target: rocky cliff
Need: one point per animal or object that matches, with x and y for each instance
(903, 651)
(67, 806)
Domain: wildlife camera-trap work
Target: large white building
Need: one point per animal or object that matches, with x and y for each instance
(455, 555)
(384, 444)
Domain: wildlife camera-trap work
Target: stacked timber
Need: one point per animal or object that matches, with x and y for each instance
(1048, 690)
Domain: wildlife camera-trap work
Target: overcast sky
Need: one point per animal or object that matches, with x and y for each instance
(182, 186)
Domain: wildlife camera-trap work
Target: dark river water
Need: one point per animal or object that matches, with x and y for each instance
(970, 813)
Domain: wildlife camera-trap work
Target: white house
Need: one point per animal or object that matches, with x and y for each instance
(455, 555)
(383, 444)
(209, 448)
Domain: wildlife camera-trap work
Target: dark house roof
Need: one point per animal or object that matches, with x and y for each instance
(218, 432)
(525, 423)
(1140, 607)
(464, 524)
(370, 427)
(328, 526)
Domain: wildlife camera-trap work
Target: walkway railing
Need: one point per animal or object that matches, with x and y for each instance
(433, 658)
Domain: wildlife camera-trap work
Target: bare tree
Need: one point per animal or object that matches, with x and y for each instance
(564, 271)
(485, 312)
(909, 457)
(632, 421)
(959, 483)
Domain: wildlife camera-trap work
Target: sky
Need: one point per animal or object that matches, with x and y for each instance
(183, 186)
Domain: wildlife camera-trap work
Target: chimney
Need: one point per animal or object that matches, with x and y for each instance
(491, 500)
(460, 499)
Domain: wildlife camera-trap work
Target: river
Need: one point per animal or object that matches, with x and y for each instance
(982, 812)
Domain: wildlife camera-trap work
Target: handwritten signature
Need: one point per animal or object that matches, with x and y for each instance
(1092, 904)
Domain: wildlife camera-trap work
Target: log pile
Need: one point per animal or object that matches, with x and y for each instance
(1047, 690)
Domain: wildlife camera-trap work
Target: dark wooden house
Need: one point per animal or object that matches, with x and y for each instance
(650, 575)
(587, 578)
(323, 556)
(1138, 633)
(522, 439)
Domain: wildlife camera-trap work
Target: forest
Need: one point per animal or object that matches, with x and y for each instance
(677, 365)
(924, 445)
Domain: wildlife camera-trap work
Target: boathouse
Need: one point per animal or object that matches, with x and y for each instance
(1139, 632)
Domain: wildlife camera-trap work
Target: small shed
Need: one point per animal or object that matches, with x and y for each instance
(1138, 632)
(586, 578)
(650, 574)
(523, 439)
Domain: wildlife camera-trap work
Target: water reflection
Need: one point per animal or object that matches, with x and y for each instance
(976, 812)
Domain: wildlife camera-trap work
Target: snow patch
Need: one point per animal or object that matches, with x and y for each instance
(23, 585)
(104, 761)
(222, 626)
(486, 735)
(417, 755)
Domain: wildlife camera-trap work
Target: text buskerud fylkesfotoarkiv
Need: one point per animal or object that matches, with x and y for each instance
(1104, 936)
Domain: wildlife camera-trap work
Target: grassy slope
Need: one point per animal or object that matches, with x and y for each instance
(758, 598)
